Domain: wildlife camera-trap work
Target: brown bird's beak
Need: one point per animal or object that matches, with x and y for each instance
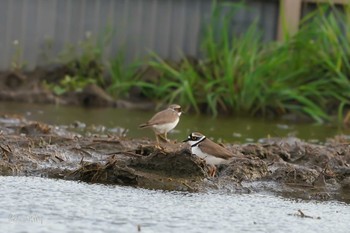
(186, 140)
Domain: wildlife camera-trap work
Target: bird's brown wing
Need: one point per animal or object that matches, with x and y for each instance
(215, 149)
(161, 117)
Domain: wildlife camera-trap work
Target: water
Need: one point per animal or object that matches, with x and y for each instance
(230, 129)
(31, 204)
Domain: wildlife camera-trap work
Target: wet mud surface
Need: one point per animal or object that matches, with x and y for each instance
(287, 166)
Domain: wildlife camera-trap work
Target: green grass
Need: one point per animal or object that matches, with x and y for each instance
(305, 74)
(123, 76)
(84, 63)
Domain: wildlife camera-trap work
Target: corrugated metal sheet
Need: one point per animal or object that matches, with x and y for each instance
(168, 27)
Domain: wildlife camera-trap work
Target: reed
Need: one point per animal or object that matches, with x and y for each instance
(123, 76)
(306, 74)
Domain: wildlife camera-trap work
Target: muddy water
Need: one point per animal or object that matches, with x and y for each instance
(229, 129)
(31, 204)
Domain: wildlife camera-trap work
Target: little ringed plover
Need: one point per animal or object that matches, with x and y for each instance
(164, 121)
(211, 152)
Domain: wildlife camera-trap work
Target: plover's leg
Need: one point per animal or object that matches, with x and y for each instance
(212, 170)
(163, 137)
(157, 139)
(158, 143)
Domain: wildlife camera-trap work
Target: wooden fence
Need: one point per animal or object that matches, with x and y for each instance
(291, 12)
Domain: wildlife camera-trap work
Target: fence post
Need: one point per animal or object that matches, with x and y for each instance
(289, 18)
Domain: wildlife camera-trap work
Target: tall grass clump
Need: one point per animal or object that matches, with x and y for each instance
(231, 62)
(210, 84)
(84, 63)
(330, 41)
(123, 76)
(178, 82)
(321, 51)
(239, 73)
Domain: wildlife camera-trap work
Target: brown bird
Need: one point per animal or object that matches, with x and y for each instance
(211, 152)
(164, 121)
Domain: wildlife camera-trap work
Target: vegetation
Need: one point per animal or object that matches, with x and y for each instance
(17, 63)
(123, 76)
(305, 74)
(84, 64)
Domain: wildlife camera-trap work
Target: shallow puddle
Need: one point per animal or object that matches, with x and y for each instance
(123, 121)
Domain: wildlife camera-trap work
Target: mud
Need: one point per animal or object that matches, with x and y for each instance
(288, 166)
(29, 87)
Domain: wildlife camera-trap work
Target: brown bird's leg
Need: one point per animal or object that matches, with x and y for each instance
(212, 170)
(157, 144)
(163, 137)
(157, 139)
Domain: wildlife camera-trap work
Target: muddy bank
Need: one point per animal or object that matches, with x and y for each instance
(37, 87)
(289, 167)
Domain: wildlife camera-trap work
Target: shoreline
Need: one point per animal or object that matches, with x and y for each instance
(285, 166)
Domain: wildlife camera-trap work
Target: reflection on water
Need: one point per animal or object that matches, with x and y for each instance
(230, 129)
(30, 204)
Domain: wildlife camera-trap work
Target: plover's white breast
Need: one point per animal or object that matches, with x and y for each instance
(209, 159)
(164, 128)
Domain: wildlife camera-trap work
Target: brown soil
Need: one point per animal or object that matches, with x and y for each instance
(28, 86)
(289, 167)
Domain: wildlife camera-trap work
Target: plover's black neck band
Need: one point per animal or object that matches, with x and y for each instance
(201, 140)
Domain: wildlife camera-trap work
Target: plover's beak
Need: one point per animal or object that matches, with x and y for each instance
(186, 140)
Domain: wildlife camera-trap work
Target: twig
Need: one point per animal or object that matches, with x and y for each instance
(128, 153)
(82, 159)
(82, 150)
(106, 140)
(302, 215)
(4, 149)
(188, 186)
(60, 159)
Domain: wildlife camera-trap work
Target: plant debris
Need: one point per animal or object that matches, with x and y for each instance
(310, 171)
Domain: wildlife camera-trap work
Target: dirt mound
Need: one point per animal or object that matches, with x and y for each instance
(287, 166)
